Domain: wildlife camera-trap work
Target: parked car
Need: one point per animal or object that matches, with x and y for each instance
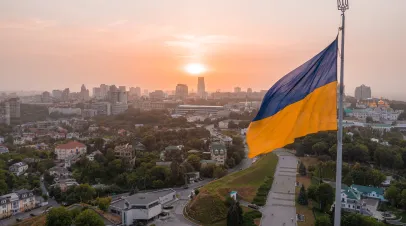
(19, 219)
(32, 214)
(253, 206)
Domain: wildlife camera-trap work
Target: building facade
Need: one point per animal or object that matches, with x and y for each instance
(18, 168)
(16, 202)
(201, 87)
(181, 91)
(218, 153)
(362, 92)
(73, 148)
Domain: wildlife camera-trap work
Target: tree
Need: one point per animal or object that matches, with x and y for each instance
(320, 147)
(312, 192)
(403, 198)
(323, 221)
(3, 187)
(369, 119)
(326, 195)
(103, 203)
(58, 216)
(302, 169)
(234, 215)
(84, 192)
(219, 172)
(194, 160)
(302, 198)
(392, 194)
(88, 218)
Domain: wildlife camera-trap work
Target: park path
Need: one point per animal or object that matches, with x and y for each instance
(280, 209)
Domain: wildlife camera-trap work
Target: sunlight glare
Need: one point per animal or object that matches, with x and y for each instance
(195, 68)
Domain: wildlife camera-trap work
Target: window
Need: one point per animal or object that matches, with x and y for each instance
(4, 206)
(3, 201)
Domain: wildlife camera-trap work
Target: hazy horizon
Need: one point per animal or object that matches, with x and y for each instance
(50, 45)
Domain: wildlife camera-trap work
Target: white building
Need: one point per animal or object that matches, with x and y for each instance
(65, 111)
(218, 153)
(73, 148)
(18, 168)
(16, 202)
(73, 135)
(142, 206)
(59, 172)
(3, 149)
(92, 155)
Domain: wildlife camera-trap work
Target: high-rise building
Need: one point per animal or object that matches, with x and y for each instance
(249, 90)
(122, 88)
(104, 89)
(12, 111)
(362, 92)
(97, 92)
(237, 89)
(157, 95)
(138, 91)
(146, 92)
(118, 100)
(46, 97)
(84, 93)
(65, 95)
(201, 87)
(181, 91)
(57, 94)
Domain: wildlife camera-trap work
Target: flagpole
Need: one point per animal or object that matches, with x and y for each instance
(342, 5)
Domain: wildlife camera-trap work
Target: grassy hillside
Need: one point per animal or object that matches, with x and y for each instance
(208, 207)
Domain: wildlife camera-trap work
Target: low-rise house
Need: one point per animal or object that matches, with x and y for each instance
(142, 206)
(18, 168)
(369, 192)
(57, 136)
(139, 147)
(3, 149)
(16, 202)
(73, 135)
(59, 172)
(125, 152)
(169, 149)
(218, 153)
(72, 148)
(93, 154)
(64, 184)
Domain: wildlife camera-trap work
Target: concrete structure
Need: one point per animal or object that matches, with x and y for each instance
(142, 206)
(65, 111)
(157, 95)
(3, 149)
(362, 92)
(237, 89)
(73, 148)
(119, 107)
(201, 87)
(89, 113)
(59, 172)
(102, 108)
(18, 168)
(181, 91)
(198, 109)
(16, 202)
(57, 94)
(64, 184)
(218, 153)
(126, 152)
(10, 111)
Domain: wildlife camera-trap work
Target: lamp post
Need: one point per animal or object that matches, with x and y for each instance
(343, 6)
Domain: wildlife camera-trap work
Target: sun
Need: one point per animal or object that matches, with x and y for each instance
(195, 68)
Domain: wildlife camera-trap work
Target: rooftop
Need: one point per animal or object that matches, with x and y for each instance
(142, 198)
(200, 106)
(71, 145)
(366, 189)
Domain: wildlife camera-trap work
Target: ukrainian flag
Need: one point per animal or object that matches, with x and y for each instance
(302, 102)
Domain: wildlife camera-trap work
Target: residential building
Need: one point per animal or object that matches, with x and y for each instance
(249, 91)
(103, 108)
(84, 93)
(142, 206)
(97, 93)
(11, 111)
(18, 168)
(64, 184)
(201, 87)
(73, 135)
(139, 147)
(157, 95)
(117, 108)
(237, 89)
(125, 152)
(89, 113)
(169, 149)
(65, 111)
(3, 149)
(72, 148)
(362, 92)
(57, 94)
(122, 88)
(59, 172)
(369, 192)
(181, 91)
(93, 154)
(198, 109)
(16, 202)
(65, 94)
(46, 97)
(218, 153)
(350, 199)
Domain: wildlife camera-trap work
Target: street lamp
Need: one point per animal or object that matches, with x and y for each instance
(342, 5)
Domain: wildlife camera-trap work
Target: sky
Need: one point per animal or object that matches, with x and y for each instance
(47, 44)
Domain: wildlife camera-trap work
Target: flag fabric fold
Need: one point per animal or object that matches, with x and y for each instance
(302, 102)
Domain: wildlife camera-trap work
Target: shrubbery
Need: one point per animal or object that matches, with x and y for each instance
(250, 217)
(262, 193)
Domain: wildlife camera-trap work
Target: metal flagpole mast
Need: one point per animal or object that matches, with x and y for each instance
(343, 6)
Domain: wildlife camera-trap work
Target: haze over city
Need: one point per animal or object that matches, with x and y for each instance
(49, 45)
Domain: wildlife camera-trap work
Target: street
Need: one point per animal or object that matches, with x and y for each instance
(280, 209)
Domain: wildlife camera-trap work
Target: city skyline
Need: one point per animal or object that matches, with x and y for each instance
(68, 44)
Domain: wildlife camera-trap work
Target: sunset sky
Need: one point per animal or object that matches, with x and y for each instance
(48, 44)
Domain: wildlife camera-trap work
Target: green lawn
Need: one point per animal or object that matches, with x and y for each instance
(209, 208)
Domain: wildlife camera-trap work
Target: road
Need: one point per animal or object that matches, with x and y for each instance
(280, 209)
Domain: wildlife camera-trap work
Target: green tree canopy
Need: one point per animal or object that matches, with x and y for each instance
(88, 218)
(58, 216)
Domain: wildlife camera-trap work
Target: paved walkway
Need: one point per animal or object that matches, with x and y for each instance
(280, 209)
